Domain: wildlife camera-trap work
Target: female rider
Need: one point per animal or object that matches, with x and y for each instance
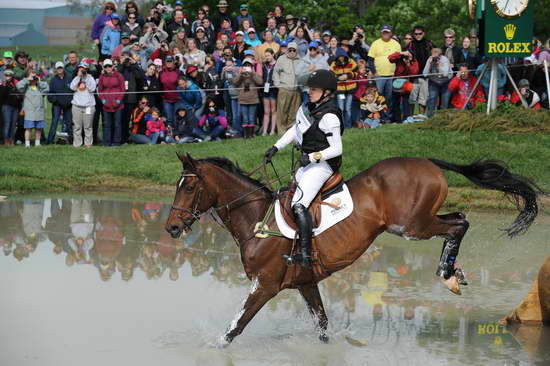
(318, 129)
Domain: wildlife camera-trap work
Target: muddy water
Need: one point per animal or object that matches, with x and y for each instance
(87, 282)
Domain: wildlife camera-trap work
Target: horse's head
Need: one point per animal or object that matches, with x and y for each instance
(191, 200)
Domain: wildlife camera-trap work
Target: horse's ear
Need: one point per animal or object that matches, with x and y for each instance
(185, 161)
(192, 163)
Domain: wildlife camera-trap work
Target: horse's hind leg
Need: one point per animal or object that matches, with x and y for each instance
(452, 227)
(256, 299)
(311, 295)
(449, 252)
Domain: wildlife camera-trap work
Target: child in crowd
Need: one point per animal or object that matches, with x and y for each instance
(185, 127)
(248, 80)
(33, 106)
(156, 130)
(213, 123)
(373, 109)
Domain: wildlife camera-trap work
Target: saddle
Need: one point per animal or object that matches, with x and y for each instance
(332, 185)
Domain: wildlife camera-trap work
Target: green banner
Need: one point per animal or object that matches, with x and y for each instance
(508, 28)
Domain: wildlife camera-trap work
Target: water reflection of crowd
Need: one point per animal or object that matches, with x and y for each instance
(387, 296)
(116, 236)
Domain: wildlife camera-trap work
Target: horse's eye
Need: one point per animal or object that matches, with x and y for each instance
(189, 189)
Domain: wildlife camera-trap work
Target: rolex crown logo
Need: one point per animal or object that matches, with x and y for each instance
(509, 31)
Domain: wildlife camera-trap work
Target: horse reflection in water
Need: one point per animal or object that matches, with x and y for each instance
(400, 195)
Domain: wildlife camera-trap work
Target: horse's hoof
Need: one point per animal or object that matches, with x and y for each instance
(459, 274)
(323, 338)
(453, 285)
(220, 343)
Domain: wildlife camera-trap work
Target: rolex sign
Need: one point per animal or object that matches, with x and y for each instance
(508, 28)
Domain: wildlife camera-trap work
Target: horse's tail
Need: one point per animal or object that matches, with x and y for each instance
(492, 174)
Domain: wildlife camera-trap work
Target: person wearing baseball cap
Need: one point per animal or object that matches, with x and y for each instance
(530, 96)
(84, 85)
(60, 95)
(243, 9)
(252, 40)
(380, 65)
(312, 61)
(285, 79)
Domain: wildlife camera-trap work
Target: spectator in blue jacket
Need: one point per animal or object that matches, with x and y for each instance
(110, 38)
(97, 28)
(61, 96)
(190, 96)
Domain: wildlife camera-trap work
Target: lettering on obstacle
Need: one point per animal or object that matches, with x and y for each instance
(491, 329)
(508, 47)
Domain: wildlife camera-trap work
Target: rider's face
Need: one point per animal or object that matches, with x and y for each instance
(315, 94)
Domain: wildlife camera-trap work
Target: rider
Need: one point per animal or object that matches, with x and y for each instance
(318, 129)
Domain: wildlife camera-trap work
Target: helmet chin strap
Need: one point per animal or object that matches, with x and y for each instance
(324, 97)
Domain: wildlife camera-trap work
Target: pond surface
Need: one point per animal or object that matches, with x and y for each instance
(88, 282)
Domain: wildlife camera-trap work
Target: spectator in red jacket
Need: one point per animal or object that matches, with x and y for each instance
(169, 82)
(405, 65)
(111, 90)
(461, 86)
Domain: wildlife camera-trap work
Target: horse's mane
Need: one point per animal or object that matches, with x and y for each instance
(230, 167)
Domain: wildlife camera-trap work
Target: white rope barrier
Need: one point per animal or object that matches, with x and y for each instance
(452, 73)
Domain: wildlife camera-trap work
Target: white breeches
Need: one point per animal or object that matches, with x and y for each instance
(310, 180)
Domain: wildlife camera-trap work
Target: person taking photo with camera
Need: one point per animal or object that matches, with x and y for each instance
(83, 102)
(33, 105)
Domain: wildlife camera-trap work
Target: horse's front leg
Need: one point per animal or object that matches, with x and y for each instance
(314, 303)
(256, 299)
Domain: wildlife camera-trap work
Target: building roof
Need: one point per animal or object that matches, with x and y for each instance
(32, 4)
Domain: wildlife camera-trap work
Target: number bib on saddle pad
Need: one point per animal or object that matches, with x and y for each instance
(341, 206)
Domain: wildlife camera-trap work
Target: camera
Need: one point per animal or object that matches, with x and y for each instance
(360, 35)
(303, 20)
(35, 78)
(435, 59)
(84, 71)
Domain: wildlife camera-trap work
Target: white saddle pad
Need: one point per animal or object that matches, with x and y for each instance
(329, 216)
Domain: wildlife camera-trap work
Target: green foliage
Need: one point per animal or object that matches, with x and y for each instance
(341, 15)
(507, 118)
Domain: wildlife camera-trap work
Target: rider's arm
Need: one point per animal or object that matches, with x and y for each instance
(287, 138)
(330, 125)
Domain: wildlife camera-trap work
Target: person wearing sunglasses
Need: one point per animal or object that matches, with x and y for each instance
(421, 48)
(99, 23)
(450, 49)
(133, 9)
(132, 27)
(285, 79)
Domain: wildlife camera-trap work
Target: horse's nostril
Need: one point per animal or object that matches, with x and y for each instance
(174, 228)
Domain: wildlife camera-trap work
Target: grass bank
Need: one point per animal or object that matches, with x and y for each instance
(141, 169)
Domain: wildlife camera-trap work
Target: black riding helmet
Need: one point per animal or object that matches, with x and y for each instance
(322, 79)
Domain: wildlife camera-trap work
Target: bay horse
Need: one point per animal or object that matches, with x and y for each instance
(401, 196)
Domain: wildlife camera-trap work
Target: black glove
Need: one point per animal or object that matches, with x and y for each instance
(304, 160)
(269, 154)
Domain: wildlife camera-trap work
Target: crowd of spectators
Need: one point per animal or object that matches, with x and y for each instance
(174, 76)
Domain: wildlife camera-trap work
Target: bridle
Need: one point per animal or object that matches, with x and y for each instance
(194, 212)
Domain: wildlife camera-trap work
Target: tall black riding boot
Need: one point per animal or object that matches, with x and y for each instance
(305, 227)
